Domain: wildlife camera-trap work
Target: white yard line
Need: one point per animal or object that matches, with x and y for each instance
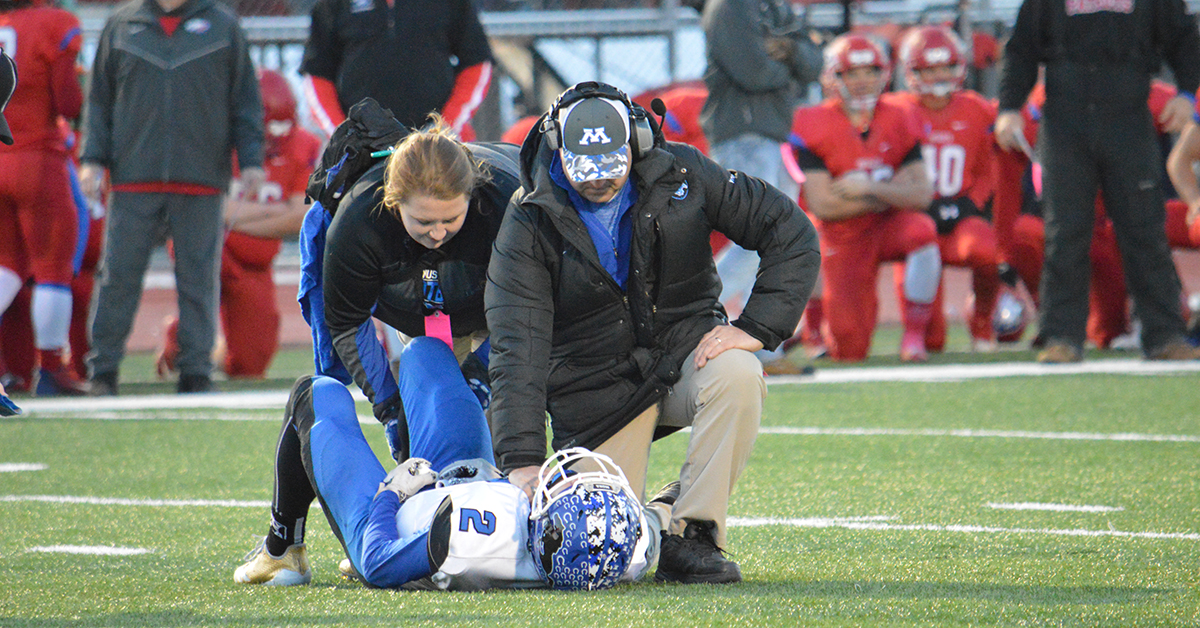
(94, 550)
(99, 406)
(1054, 507)
(960, 372)
(119, 501)
(881, 523)
(852, 524)
(136, 406)
(887, 431)
(17, 467)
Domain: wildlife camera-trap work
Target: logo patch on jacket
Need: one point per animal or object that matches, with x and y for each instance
(197, 25)
(681, 193)
(432, 289)
(361, 6)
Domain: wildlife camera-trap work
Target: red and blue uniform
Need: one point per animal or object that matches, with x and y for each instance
(249, 313)
(959, 153)
(38, 221)
(852, 249)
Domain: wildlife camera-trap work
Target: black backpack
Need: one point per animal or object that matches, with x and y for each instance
(365, 137)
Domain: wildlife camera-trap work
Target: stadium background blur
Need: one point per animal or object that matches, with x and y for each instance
(543, 46)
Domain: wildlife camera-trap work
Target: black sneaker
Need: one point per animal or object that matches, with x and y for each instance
(195, 384)
(667, 494)
(104, 384)
(694, 557)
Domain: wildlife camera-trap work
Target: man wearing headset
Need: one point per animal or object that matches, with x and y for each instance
(602, 305)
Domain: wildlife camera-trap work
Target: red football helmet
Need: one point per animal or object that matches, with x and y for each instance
(855, 51)
(279, 104)
(930, 47)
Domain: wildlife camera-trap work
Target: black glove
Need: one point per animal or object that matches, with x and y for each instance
(946, 212)
(476, 374)
(1008, 274)
(390, 412)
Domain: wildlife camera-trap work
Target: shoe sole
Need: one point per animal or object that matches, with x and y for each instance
(716, 578)
(7, 407)
(346, 570)
(282, 578)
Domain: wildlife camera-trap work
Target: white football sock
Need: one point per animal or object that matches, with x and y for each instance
(922, 274)
(10, 285)
(51, 316)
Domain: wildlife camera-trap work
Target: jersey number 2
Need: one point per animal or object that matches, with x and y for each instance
(483, 522)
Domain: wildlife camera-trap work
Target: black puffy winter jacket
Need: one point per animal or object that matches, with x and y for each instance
(568, 340)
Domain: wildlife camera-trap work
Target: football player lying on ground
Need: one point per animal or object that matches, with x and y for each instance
(462, 528)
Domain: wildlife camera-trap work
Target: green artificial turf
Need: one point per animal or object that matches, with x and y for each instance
(852, 529)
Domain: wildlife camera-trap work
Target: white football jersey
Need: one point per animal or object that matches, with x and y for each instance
(489, 537)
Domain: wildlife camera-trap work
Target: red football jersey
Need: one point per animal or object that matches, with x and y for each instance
(37, 38)
(825, 131)
(288, 163)
(959, 149)
(682, 122)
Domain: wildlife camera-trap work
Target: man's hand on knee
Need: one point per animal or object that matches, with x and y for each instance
(722, 338)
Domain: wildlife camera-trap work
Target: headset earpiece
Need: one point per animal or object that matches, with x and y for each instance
(550, 129)
(641, 134)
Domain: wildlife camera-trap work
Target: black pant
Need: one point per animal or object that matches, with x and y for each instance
(1085, 148)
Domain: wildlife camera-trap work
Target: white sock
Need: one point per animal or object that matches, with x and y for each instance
(51, 316)
(10, 285)
(922, 273)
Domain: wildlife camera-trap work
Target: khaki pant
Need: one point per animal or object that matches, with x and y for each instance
(722, 403)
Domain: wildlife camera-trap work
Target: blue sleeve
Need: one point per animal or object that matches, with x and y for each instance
(367, 362)
(386, 561)
(370, 369)
(82, 214)
(311, 297)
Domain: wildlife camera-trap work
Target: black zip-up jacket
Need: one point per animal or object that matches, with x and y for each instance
(405, 56)
(1099, 54)
(567, 339)
(372, 267)
(173, 109)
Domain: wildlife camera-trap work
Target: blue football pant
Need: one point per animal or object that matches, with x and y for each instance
(446, 424)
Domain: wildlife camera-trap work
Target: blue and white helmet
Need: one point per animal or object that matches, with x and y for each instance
(584, 523)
